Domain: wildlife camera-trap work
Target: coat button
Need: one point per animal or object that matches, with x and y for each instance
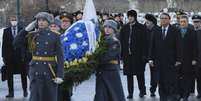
(37, 63)
(37, 43)
(45, 53)
(48, 34)
(36, 73)
(37, 53)
(44, 73)
(44, 63)
(46, 43)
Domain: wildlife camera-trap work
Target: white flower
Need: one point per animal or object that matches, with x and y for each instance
(76, 28)
(73, 46)
(78, 35)
(65, 39)
(84, 43)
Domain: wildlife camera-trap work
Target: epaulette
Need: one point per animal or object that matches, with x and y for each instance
(31, 33)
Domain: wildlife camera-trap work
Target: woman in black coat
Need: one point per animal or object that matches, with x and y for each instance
(108, 82)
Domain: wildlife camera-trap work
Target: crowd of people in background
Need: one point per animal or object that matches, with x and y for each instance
(173, 53)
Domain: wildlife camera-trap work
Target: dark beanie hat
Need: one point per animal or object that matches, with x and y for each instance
(132, 13)
(151, 18)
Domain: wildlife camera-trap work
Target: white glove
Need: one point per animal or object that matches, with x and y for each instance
(31, 26)
(194, 62)
(177, 63)
(151, 63)
(58, 80)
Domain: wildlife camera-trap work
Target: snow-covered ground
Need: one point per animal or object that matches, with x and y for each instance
(1, 37)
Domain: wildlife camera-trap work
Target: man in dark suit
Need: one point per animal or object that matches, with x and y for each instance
(133, 43)
(12, 58)
(189, 55)
(164, 56)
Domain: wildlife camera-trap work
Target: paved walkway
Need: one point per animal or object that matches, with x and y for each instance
(84, 92)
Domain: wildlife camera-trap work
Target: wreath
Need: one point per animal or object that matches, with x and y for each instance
(80, 63)
(77, 71)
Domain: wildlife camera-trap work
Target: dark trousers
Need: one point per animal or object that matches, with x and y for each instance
(196, 78)
(154, 79)
(168, 89)
(141, 83)
(63, 94)
(199, 81)
(23, 81)
(185, 85)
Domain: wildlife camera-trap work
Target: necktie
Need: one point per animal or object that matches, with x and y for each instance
(14, 31)
(163, 33)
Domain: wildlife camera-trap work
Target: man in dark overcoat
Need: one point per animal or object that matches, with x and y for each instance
(164, 56)
(189, 56)
(197, 26)
(12, 58)
(133, 46)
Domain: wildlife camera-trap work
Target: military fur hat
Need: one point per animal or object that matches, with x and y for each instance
(110, 23)
(46, 16)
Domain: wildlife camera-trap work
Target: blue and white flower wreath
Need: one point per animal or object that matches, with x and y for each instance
(78, 41)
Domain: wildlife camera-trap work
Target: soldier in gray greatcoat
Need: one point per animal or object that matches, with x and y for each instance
(108, 82)
(46, 66)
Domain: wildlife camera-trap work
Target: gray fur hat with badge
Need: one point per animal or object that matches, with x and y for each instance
(110, 23)
(46, 16)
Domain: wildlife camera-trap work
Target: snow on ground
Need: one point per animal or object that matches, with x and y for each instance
(1, 37)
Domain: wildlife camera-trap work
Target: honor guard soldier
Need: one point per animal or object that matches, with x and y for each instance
(46, 66)
(108, 81)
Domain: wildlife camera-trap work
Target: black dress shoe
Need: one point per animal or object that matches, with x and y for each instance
(10, 95)
(185, 99)
(25, 93)
(153, 95)
(130, 96)
(199, 96)
(142, 94)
